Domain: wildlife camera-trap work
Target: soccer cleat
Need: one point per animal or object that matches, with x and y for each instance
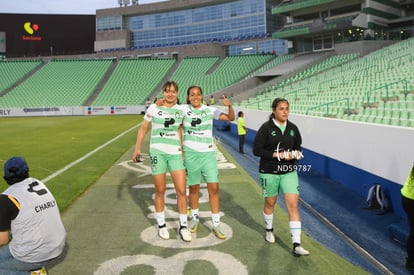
(184, 233)
(298, 250)
(219, 234)
(193, 225)
(270, 237)
(41, 271)
(163, 232)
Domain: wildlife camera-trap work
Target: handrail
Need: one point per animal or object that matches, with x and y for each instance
(296, 93)
(258, 102)
(329, 103)
(330, 81)
(386, 86)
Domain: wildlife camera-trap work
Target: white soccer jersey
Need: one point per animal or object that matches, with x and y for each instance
(198, 128)
(37, 232)
(164, 132)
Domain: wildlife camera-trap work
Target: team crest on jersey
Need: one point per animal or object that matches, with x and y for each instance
(292, 133)
(177, 115)
(203, 114)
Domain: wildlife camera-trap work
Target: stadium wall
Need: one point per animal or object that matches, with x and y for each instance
(71, 111)
(354, 154)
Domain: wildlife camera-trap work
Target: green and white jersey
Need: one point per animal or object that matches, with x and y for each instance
(198, 128)
(164, 133)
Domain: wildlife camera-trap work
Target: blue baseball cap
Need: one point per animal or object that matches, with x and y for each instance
(15, 167)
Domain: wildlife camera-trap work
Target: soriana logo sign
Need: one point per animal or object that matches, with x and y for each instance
(31, 29)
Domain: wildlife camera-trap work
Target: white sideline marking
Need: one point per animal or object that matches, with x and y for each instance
(70, 165)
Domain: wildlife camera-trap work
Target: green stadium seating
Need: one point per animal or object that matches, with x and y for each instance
(379, 87)
(13, 71)
(58, 83)
(133, 81)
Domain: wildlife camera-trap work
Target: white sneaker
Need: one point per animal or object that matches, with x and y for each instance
(185, 234)
(218, 232)
(270, 237)
(298, 250)
(163, 232)
(193, 225)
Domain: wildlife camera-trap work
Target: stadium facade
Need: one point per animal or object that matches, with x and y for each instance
(210, 27)
(188, 28)
(180, 28)
(319, 25)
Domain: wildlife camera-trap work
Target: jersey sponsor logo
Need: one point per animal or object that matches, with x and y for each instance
(195, 122)
(172, 134)
(168, 122)
(194, 133)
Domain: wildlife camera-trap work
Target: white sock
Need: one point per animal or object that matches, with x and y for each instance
(195, 214)
(268, 219)
(295, 231)
(215, 217)
(183, 219)
(160, 216)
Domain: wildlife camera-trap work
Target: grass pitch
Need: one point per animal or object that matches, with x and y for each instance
(51, 143)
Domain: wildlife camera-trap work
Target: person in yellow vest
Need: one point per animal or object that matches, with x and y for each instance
(407, 200)
(241, 131)
(212, 101)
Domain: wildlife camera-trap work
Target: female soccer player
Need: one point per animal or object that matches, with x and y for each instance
(200, 154)
(278, 144)
(166, 154)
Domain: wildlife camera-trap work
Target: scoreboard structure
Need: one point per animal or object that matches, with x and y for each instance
(36, 35)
